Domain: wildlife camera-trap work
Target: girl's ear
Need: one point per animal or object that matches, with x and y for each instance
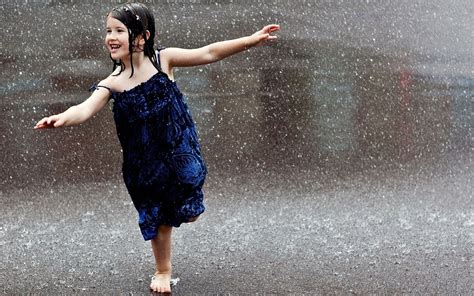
(140, 40)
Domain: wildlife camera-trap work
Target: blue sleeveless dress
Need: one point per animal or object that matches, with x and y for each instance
(163, 168)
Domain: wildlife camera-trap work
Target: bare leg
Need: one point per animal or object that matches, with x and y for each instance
(161, 246)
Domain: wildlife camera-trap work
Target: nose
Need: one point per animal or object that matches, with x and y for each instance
(110, 36)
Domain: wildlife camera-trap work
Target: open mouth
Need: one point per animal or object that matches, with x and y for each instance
(114, 47)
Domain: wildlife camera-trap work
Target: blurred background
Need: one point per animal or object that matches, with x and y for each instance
(339, 156)
(349, 86)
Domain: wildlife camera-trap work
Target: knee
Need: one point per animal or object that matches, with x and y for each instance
(164, 231)
(190, 220)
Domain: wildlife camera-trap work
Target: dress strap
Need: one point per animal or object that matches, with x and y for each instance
(158, 56)
(95, 87)
(103, 86)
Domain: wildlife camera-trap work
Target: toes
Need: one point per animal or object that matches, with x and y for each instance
(159, 285)
(154, 287)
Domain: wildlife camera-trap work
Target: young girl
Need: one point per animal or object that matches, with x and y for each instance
(162, 168)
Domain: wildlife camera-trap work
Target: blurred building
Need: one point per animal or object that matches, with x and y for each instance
(347, 85)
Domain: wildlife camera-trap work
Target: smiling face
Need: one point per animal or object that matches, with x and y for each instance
(116, 39)
(131, 21)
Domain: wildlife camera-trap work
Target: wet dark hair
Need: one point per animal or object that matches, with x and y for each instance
(138, 19)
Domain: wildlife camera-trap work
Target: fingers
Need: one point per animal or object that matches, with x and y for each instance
(267, 30)
(41, 123)
(58, 123)
(267, 37)
(49, 122)
(271, 28)
(274, 28)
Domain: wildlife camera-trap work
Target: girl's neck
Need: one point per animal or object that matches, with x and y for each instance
(139, 61)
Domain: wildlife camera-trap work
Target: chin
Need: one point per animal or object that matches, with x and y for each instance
(117, 56)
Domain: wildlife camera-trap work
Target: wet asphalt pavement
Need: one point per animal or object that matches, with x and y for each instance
(349, 83)
(386, 231)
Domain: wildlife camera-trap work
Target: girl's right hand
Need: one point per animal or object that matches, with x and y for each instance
(50, 122)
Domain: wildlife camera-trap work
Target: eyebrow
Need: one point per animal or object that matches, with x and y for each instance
(121, 27)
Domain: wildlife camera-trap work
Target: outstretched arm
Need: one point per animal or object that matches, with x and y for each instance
(77, 114)
(179, 57)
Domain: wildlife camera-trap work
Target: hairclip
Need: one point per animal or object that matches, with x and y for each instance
(137, 17)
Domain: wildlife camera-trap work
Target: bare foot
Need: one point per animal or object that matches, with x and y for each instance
(160, 283)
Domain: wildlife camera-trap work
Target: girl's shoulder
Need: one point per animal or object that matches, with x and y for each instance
(112, 81)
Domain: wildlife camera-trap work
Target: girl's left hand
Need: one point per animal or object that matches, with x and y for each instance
(262, 36)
